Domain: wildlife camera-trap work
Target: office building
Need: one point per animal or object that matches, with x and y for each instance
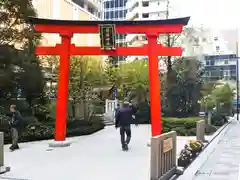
(115, 10)
(69, 10)
(143, 10)
(220, 55)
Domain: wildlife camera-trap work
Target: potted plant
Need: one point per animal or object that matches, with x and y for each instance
(196, 147)
(185, 157)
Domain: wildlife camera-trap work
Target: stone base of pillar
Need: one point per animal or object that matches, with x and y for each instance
(4, 169)
(56, 144)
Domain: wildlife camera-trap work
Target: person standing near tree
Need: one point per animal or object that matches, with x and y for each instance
(16, 123)
(124, 119)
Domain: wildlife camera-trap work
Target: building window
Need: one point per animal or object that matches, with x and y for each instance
(207, 73)
(217, 48)
(216, 38)
(121, 15)
(210, 62)
(226, 61)
(119, 3)
(91, 10)
(207, 62)
(107, 4)
(145, 15)
(145, 3)
(226, 73)
(107, 15)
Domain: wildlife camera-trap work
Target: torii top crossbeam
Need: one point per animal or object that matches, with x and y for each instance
(152, 29)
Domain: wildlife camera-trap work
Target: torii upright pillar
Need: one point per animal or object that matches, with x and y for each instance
(62, 98)
(154, 84)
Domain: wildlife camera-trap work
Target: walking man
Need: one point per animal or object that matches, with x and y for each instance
(124, 118)
(16, 126)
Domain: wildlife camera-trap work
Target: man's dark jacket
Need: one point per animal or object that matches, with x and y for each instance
(124, 117)
(16, 120)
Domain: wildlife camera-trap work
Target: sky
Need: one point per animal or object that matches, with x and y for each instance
(217, 14)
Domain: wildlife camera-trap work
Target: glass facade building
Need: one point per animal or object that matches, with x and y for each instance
(115, 10)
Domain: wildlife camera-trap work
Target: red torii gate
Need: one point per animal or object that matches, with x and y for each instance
(65, 28)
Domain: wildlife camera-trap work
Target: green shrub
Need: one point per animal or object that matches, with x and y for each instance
(183, 126)
(43, 131)
(218, 119)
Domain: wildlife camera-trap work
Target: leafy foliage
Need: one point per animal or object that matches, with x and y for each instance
(20, 69)
(183, 96)
(85, 74)
(221, 97)
(13, 15)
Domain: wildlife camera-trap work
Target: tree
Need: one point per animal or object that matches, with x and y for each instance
(85, 74)
(208, 104)
(25, 66)
(13, 15)
(188, 36)
(184, 95)
(135, 79)
(223, 96)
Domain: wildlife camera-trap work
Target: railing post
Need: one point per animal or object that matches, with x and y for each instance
(200, 134)
(106, 105)
(163, 156)
(3, 169)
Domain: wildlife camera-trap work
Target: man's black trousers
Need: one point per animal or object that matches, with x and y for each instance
(125, 130)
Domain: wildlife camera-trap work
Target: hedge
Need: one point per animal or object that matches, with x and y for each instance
(183, 126)
(44, 131)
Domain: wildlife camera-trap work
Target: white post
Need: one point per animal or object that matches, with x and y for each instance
(3, 169)
(106, 105)
(1, 149)
(209, 117)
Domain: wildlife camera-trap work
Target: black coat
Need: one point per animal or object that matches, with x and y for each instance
(124, 117)
(16, 120)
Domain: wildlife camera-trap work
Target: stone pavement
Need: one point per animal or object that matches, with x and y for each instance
(93, 157)
(224, 162)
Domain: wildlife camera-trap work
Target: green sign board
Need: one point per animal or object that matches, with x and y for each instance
(108, 36)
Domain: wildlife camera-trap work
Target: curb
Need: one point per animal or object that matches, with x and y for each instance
(191, 171)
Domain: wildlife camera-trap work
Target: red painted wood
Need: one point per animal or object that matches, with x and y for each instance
(65, 49)
(123, 51)
(154, 85)
(62, 97)
(48, 28)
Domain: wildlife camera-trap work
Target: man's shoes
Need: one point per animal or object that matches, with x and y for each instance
(125, 147)
(14, 147)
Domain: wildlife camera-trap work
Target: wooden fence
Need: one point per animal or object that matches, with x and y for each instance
(163, 156)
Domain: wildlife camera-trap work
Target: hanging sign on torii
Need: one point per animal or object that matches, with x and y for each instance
(108, 29)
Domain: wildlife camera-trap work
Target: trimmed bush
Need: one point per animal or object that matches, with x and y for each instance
(183, 126)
